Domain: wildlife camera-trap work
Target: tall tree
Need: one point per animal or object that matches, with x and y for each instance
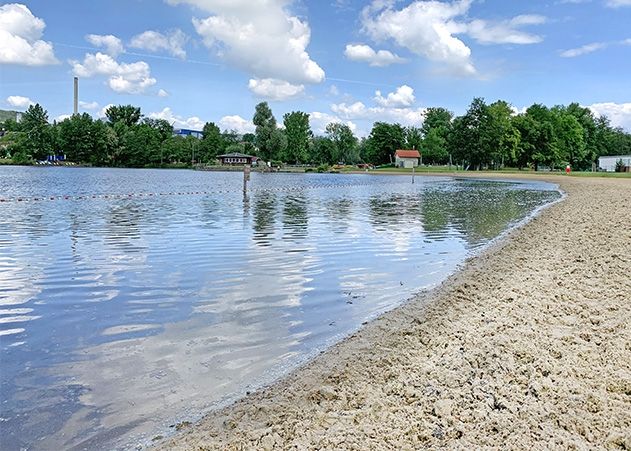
(76, 137)
(212, 144)
(344, 143)
(40, 135)
(540, 137)
(436, 117)
(570, 138)
(267, 139)
(162, 126)
(323, 151)
(413, 138)
(500, 136)
(468, 138)
(127, 114)
(435, 130)
(383, 141)
(588, 123)
(298, 133)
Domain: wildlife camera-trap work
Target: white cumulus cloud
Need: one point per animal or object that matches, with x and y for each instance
(506, 31)
(366, 54)
(237, 123)
(88, 105)
(430, 29)
(319, 121)
(172, 42)
(129, 78)
(592, 47)
(273, 89)
(113, 46)
(426, 28)
(618, 3)
(401, 98)
(20, 33)
(193, 123)
(359, 111)
(163, 93)
(583, 50)
(618, 113)
(260, 37)
(19, 101)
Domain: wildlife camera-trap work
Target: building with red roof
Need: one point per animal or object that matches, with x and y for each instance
(407, 158)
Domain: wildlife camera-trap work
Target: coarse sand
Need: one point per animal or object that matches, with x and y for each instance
(528, 347)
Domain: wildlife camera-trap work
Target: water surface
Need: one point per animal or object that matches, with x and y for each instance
(131, 299)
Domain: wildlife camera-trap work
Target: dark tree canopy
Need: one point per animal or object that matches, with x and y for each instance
(298, 132)
(127, 114)
(487, 136)
(383, 142)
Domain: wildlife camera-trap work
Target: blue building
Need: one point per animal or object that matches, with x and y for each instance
(184, 132)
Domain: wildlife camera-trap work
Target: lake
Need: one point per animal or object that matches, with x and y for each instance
(134, 299)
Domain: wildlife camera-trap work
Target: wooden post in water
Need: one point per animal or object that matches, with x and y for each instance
(246, 177)
(412, 174)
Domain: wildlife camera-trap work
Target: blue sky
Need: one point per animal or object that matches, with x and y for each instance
(357, 62)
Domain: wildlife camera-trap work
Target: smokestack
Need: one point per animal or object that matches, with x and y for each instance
(76, 95)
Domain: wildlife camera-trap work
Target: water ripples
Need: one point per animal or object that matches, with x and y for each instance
(149, 300)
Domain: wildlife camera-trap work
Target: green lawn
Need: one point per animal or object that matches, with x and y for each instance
(444, 169)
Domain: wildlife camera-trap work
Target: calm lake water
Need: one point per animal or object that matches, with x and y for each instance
(133, 299)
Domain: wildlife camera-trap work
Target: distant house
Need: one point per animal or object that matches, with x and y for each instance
(232, 159)
(184, 132)
(407, 158)
(608, 164)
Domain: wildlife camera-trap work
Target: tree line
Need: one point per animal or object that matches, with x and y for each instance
(487, 136)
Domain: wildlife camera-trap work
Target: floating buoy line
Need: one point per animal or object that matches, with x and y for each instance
(175, 193)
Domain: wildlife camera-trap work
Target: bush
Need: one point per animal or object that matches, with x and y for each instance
(323, 168)
(21, 158)
(620, 166)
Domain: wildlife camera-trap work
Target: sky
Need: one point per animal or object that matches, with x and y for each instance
(349, 61)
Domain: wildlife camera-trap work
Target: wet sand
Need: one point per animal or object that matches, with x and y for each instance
(529, 346)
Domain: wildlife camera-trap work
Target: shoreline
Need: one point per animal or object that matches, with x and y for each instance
(394, 383)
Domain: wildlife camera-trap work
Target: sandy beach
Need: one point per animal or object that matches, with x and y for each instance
(529, 346)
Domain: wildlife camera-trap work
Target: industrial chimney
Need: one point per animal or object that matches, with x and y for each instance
(76, 95)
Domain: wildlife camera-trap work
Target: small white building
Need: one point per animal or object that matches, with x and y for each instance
(407, 158)
(608, 164)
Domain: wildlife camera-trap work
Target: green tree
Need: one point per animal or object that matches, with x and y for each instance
(413, 138)
(230, 137)
(591, 136)
(76, 137)
(139, 145)
(383, 141)
(323, 150)
(570, 138)
(162, 126)
(267, 139)
(538, 144)
(436, 117)
(434, 147)
(212, 144)
(468, 141)
(436, 128)
(127, 114)
(39, 133)
(344, 143)
(500, 137)
(298, 133)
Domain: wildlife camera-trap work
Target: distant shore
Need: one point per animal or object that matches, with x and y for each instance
(526, 347)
